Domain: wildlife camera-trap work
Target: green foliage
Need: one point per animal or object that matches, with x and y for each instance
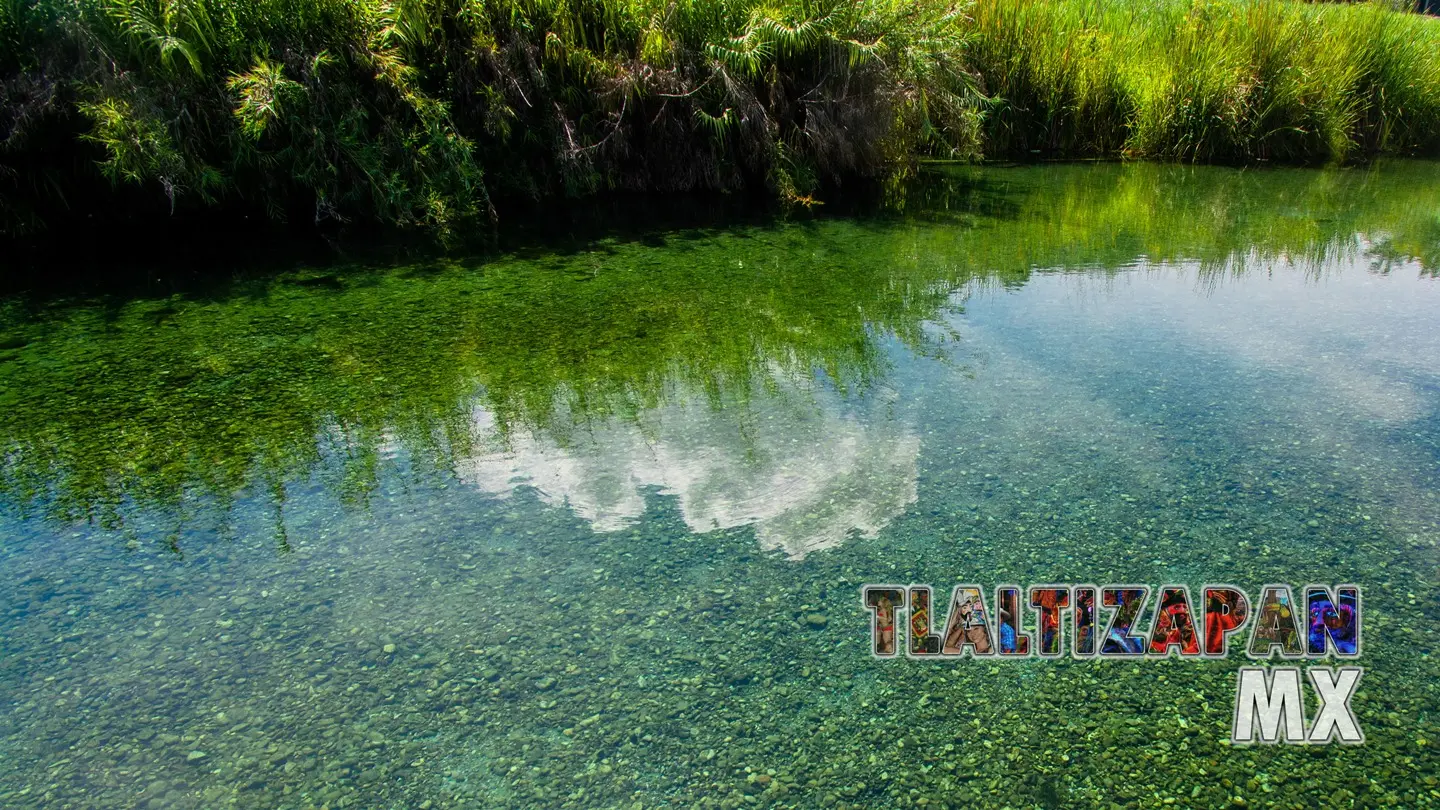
(1209, 79)
(412, 112)
(166, 30)
(139, 146)
(416, 112)
(14, 28)
(263, 92)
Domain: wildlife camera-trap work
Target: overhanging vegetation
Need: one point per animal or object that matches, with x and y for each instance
(426, 112)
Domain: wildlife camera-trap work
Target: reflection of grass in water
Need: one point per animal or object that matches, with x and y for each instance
(1109, 215)
(124, 404)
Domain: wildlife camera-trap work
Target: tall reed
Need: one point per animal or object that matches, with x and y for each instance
(1208, 80)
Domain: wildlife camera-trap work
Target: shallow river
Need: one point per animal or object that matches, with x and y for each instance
(587, 528)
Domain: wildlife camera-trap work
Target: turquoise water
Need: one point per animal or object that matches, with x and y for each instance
(587, 528)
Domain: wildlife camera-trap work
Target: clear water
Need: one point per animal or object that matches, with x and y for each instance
(586, 528)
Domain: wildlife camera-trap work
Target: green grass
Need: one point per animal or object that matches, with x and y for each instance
(431, 113)
(1209, 80)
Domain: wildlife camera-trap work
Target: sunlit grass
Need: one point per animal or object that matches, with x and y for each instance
(1215, 79)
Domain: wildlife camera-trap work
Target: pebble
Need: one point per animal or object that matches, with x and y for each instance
(667, 699)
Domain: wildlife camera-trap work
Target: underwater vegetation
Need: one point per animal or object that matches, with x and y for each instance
(118, 405)
(433, 114)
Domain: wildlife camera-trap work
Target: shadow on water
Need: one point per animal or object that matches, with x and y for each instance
(127, 263)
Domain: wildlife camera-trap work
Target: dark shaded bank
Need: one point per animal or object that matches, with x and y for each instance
(451, 117)
(424, 113)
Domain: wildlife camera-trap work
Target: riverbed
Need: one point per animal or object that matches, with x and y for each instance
(587, 527)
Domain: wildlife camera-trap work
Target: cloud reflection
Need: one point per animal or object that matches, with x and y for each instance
(805, 468)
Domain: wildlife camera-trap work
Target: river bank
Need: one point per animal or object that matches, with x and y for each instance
(437, 114)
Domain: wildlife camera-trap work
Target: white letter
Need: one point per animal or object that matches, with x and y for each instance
(1335, 717)
(1253, 704)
